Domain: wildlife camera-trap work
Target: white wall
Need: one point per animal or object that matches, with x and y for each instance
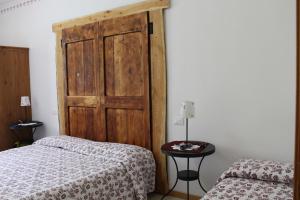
(234, 58)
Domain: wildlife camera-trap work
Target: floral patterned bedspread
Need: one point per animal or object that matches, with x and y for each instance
(64, 167)
(254, 179)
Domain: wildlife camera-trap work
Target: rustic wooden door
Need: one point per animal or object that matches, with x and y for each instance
(81, 57)
(124, 61)
(107, 80)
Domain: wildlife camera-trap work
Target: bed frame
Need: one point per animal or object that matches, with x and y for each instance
(97, 98)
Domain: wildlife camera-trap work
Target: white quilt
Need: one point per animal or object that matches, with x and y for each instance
(71, 168)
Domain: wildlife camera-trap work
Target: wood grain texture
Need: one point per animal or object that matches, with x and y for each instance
(81, 68)
(14, 83)
(159, 98)
(83, 123)
(61, 84)
(124, 126)
(80, 33)
(148, 5)
(124, 102)
(124, 72)
(124, 45)
(297, 138)
(109, 71)
(116, 104)
(122, 25)
(82, 101)
(81, 81)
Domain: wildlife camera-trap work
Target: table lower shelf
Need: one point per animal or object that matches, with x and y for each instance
(22, 143)
(188, 175)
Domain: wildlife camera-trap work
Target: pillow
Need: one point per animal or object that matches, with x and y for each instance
(271, 171)
(73, 144)
(115, 151)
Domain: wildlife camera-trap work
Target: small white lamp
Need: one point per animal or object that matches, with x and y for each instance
(25, 102)
(187, 111)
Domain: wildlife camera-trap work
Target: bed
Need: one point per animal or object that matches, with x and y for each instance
(254, 179)
(64, 167)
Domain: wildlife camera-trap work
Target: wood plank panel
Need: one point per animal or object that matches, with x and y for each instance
(123, 25)
(124, 74)
(75, 69)
(83, 123)
(125, 63)
(90, 68)
(80, 33)
(124, 127)
(14, 83)
(124, 102)
(81, 68)
(81, 101)
(77, 122)
(109, 70)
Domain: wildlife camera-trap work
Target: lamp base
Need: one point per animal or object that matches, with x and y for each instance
(185, 146)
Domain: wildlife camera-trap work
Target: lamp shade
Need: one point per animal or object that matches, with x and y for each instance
(25, 101)
(187, 109)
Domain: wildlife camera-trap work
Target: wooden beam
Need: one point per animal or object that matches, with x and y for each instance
(159, 97)
(79, 101)
(9, 47)
(148, 5)
(60, 82)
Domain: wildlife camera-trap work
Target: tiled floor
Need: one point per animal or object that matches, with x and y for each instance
(157, 197)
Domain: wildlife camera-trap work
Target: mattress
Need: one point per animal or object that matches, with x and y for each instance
(254, 179)
(64, 167)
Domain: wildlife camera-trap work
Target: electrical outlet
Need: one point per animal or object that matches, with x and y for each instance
(179, 122)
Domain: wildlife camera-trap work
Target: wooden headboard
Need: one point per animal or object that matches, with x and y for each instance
(111, 77)
(107, 77)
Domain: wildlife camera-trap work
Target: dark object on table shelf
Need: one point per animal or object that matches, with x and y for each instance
(196, 149)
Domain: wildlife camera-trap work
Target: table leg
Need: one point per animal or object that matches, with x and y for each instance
(175, 181)
(199, 175)
(188, 182)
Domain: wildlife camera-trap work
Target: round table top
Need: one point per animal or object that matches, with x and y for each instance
(30, 124)
(204, 149)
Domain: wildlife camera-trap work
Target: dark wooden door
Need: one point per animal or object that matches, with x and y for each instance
(14, 83)
(107, 80)
(124, 61)
(81, 57)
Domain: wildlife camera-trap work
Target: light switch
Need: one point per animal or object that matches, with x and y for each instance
(179, 122)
